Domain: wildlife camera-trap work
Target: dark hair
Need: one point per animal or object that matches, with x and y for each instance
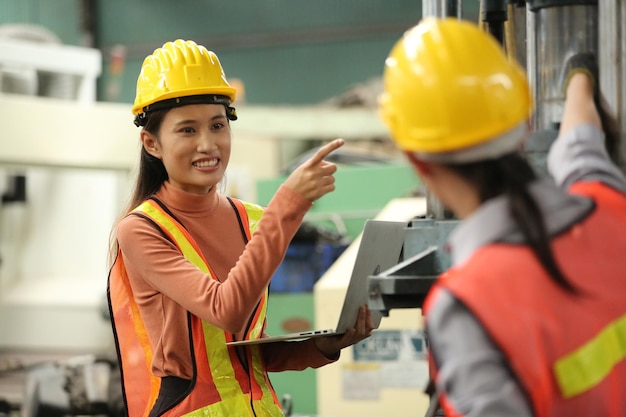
(152, 172)
(510, 175)
(151, 175)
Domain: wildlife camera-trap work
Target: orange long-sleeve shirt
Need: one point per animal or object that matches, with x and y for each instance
(166, 285)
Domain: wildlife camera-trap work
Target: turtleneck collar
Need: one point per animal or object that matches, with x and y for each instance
(189, 203)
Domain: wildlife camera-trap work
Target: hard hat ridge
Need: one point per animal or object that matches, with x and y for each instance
(180, 70)
(449, 86)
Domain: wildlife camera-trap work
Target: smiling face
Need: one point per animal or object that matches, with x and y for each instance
(194, 144)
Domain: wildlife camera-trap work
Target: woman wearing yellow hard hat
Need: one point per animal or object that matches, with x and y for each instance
(192, 265)
(530, 318)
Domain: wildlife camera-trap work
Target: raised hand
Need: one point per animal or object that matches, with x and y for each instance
(314, 178)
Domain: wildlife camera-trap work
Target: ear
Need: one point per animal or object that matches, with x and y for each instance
(151, 144)
(423, 168)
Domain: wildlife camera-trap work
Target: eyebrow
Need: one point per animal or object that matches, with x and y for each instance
(191, 121)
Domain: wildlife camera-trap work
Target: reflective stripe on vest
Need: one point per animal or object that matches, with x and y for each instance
(588, 365)
(222, 386)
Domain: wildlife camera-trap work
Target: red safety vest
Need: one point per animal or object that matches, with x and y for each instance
(221, 385)
(567, 351)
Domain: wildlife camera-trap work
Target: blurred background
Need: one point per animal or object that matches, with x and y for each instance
(306, 72)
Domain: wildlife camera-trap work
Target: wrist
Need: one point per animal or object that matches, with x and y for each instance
(329, 353)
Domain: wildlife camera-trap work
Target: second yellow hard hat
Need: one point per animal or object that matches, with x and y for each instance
(448, 86)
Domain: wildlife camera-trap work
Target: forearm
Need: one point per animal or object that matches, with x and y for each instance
(579, 105)
(159, 267)
(263, 254)
(294, 356)
(588, 143)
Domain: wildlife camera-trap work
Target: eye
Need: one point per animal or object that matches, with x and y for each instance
(187, 130)
(217, 126)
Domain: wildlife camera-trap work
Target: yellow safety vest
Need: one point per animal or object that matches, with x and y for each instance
(221, 385)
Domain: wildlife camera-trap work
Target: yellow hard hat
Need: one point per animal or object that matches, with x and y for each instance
(177, 70)
(449, 86)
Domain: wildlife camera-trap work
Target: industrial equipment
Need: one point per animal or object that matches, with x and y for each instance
(53, 272)
(541, 35)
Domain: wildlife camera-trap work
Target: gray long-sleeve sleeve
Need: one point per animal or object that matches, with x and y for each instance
(580, 155)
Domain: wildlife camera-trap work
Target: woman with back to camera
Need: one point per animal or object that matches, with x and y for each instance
(530, 320)
(192, 266)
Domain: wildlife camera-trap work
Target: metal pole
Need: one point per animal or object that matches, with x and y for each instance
(453, 8)
(558, 32)
(612, 59)
(515, 28)
(438, 8)
(493, 14)
(433, 8)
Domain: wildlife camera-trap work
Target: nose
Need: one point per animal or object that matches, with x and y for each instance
(206, 142)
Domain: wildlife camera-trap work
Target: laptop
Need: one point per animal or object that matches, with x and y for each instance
(379, 249)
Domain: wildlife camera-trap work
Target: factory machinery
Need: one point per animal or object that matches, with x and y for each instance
(541, 35)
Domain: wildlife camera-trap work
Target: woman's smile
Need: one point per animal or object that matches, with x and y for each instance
(194, 144)
(207, 163)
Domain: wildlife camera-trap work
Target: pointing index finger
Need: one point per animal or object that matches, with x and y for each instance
(325, 150)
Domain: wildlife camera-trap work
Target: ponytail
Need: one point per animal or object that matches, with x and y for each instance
(510, 175)
(150, 177)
